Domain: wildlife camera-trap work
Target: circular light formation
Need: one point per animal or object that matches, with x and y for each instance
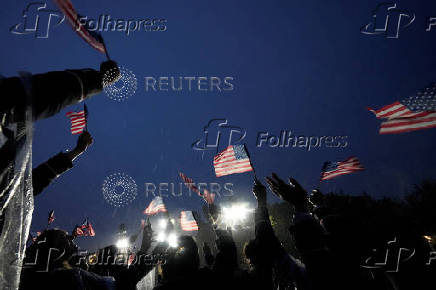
(119, 87)
(119, 189)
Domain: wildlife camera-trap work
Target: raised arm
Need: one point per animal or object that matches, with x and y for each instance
(48, 171)
(51, 92)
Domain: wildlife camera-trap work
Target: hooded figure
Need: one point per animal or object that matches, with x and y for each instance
(24, 100)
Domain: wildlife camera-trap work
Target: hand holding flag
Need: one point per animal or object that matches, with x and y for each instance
(84, 141)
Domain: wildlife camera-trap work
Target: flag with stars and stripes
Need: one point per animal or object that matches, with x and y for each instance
(156, 205)
(416, 112)
(93, 38)
(86, 225)
(78, 121)
(85, 229)
(188, 222)
(51, 217)
(206, 195)
(331, 170)
(232, 160)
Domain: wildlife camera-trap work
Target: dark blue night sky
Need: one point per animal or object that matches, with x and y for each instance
(302, 66)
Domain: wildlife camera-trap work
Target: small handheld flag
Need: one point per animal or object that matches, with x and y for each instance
(207, 196)
(332, 170)
(232, 160)
(132, 257)
(89, 228)
(156, 205)
(78, 121)
(78, 232)
(188, 222)
(83, 230)
(51, 217)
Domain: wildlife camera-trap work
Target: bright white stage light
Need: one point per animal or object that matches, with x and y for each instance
(161, 237)
(163, 223)
(172, 240)
(123, 243)
(235, 214)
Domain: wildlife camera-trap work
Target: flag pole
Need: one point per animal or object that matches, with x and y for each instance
(105, 49)
(323, 168)
(251, 163)
(85, 108)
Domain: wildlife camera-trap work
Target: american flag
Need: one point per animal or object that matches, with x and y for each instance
(156, 205)
(89, 228)
(85, 229)
(91, 37)
(189, 183)
(51, 217)
(188, 222)
(207, 196)
(332, 170)
(132, 257)
(234, 159)
(413, 113)
(78, 232)
(78, 121)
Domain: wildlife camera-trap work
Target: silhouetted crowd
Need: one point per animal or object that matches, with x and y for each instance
(333, 251)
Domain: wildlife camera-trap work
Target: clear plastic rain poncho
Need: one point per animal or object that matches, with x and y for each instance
(16, 195)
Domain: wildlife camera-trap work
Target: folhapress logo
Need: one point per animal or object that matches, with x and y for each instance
(218, 134)
(37, 19)
(388, 20)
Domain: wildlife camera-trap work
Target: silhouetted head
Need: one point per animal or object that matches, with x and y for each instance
(227, 257)
(50, 250)
(316, 197)
(183, 260)
(255, 255)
